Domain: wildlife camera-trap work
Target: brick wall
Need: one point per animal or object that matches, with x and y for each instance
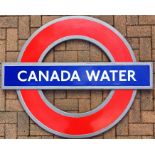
(140, 120)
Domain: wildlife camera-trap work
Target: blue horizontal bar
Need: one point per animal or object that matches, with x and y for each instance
(77, 76)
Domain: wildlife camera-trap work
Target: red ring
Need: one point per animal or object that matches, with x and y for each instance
(68, 124)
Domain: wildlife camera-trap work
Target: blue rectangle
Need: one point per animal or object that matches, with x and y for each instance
(77, 76)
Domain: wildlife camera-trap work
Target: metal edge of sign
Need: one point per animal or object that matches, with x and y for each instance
(68, 135)
(2, 76)
(151, 75)
(76, 87)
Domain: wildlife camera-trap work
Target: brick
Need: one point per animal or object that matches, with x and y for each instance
(47, 137)
(56, 137)
(22, 137)
(154, 129)
(101, 136)
(13, 105)
(105, 58)
(60, 47)
(134, 42)
(137, 54)
(49, 95)
(35, 130)
(20, 44)
(110, 134)
(108, 18)
(8, 21)
(80, 94)
(29, 137)
(34, 137)
(153, 37)
(11, 56)
(145, 49)
(84, 105)
(35, 21)
(2, 100)
(138, 31)
(11, 39)
(120, 24)
(2, 34)
(132, 20)
(153, 55)
(147, 137)
(10, 131)
(138, 94)
(49, 57)
(46, 19)
(11, 94)
(2, 50)
(67, 56)
(0, 79)
(153, 67)
(146, 19)
(33, 30)
(60, 94)
(8, 117)
(77, 45)
(154, 81)
(24, 30)
(134, 113)
(141, 129)
(31, 121)
(148, 116)
(67, 104)
(2, 131)
(95, 53)
(105, 94)
(96, 98)
(147, 100)
(122, 127)
(23, 124)
(83, 56)
(129, 137)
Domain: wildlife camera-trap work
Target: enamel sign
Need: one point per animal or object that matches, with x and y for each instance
(123, 75)
(77, 76)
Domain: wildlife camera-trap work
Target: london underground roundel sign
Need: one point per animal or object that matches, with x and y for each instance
(122, 75)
